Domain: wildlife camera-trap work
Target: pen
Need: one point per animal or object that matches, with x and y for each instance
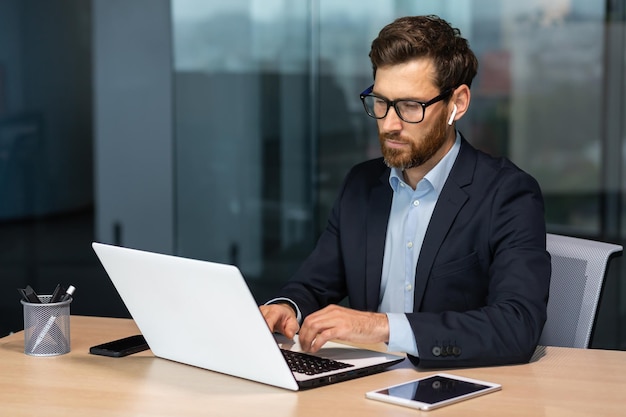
(68, 293)
(30, 295)
(43, 332)
(57, 294)
(22, 292)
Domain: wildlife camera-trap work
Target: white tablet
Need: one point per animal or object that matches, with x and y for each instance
(433, 391)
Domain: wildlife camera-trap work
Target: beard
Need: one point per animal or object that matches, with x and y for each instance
(420, 151)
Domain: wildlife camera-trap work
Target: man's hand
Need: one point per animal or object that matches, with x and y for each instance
(281, 318)
(340, 323)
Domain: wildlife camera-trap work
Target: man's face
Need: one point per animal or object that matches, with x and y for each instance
(408, 145)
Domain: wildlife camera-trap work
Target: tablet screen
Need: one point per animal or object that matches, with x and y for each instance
(433, 389)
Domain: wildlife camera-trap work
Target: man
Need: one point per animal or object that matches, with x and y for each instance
(439, 247)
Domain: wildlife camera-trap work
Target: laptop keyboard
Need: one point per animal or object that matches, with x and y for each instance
(311, 365)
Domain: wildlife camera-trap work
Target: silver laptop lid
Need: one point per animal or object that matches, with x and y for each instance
(196, 312)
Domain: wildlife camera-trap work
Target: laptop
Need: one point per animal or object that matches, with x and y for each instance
(203, 314)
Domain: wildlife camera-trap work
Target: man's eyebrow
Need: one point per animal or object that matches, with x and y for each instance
(421, 100)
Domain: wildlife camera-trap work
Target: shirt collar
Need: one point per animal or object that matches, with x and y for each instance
(437, 176)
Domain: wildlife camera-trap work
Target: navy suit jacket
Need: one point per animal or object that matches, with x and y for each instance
(483, 273)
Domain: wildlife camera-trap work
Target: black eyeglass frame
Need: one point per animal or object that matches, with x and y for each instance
(368, 93)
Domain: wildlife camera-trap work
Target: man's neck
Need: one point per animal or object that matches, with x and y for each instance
(412, 176)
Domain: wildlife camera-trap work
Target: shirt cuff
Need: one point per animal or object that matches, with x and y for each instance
(401, 337)
(291, 303)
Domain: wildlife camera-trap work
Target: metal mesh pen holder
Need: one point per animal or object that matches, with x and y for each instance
(46, 327)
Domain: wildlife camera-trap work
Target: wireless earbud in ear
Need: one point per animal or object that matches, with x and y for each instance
(452, 116)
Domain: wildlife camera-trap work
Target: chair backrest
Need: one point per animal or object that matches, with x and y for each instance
(578, 271)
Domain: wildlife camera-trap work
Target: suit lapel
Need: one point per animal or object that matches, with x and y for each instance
(379, 207)
(450, 202)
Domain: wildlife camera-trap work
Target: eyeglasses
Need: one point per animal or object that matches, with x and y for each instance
(411, 111)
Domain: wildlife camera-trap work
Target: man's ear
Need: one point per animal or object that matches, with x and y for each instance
(459, 103)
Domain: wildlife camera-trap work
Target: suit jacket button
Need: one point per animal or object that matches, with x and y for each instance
(436, 351)
(456, 351)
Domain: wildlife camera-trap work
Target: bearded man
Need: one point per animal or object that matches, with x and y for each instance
(438, 247)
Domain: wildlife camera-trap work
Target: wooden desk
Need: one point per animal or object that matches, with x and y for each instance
(559, 382)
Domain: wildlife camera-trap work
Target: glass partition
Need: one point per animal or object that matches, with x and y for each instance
(243, 143)
(268, 118)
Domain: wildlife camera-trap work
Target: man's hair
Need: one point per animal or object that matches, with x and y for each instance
(431, 37)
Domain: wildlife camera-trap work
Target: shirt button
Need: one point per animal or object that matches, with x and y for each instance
(409, 287)
(402, 184)
(416, 203)
(409, 245)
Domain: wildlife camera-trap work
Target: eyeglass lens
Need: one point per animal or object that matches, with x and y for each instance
(408, 110)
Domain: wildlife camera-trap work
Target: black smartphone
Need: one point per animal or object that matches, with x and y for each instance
(121, 347)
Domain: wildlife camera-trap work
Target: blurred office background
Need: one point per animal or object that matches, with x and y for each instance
(222, 130)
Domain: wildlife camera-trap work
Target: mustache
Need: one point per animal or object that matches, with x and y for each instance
(393, 136)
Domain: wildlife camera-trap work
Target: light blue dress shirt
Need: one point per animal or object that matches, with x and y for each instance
(411, 211)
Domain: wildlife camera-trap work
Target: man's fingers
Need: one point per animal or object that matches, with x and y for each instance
(316, 330)
(340, 323)
(270, 315)
(280, 318)
(290, 328)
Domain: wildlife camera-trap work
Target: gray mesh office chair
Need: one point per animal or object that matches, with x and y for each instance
(578, 272)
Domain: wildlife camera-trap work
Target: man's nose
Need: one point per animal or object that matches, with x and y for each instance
(391, 122)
